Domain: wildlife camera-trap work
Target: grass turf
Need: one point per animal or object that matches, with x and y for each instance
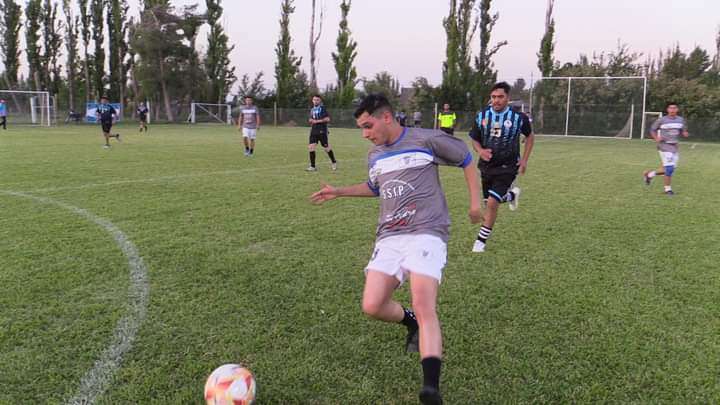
(598, 289)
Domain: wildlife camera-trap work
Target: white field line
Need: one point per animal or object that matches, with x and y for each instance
(94, 383)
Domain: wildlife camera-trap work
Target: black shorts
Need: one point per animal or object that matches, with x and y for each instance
(106, 126)
(497, 185)
(143, 118)
(449, 131)
(319, 136)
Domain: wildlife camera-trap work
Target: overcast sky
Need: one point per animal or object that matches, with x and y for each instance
(406, 37)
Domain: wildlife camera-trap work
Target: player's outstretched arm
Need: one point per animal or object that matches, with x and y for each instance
(529, 143)
(328, 192)
(471, 179)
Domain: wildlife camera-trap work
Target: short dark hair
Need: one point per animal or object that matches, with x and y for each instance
(669, 103)
(317, 95)
(104, 98)
(501, 85)
(249, 96)
(373, 104)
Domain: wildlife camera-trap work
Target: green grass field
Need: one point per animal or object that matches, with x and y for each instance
(598, 289)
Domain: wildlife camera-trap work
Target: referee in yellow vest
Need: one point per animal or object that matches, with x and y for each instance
(447, 120)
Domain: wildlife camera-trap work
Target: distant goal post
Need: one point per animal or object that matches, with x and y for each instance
(210, 113)
(590, 106)
(28, 107)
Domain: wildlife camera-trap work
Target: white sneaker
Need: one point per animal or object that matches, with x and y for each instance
(478, 247)
(333, 166)
(247, 153)
(311, 169)
(106, 146)
(513, 205)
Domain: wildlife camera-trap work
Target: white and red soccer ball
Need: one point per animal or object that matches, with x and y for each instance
(230, 384)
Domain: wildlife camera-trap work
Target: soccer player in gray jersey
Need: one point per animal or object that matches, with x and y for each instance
(413, 226)
(666, 131)
(250, 123)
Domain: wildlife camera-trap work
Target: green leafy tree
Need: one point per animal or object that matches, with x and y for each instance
(33, 24)
(85, 33)
(10, 41)
(383, 83)
(52, 40)
(289, 91)
(97, 8)
(485, 73)
(71, 43)
(118, 24)
(344, 60)
(217, 61)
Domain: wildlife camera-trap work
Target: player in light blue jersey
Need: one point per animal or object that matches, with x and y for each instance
(3, 114)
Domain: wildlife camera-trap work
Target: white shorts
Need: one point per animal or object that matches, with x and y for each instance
(399, 255)
(669, 158)
(249, 133)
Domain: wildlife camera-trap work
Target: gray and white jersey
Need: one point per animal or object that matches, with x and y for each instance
(417, 116)
(670, 129)
(249, 116)
(405, 176)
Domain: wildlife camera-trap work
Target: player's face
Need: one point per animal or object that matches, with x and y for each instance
(375, 129)
(248, 101)
(316, 101)
(499, 99)
(103, 101)
(446, 107)
(672, 110)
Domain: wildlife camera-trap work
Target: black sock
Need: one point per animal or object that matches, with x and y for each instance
(247, 149)
(484, 234)
(409, 319)
(431, 371)
(252, 150)
(312, 159)
(332, 156)
(509, 196)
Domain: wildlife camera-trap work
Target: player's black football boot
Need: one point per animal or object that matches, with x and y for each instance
(430, 396)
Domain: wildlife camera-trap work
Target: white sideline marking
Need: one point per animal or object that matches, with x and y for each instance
(176, 177)
(96, 380)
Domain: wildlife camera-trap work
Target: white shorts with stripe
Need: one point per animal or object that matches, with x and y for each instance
(249, 133)
(669, 158)
(399, 255)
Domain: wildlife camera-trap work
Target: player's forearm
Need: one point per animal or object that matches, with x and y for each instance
(356, 190)
(529, 143)
(471, 179)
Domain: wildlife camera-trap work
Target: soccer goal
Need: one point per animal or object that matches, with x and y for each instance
(28, 107)
(210, 113)
(607, 106)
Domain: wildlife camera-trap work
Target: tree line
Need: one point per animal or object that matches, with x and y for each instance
(154, 57)
(149, 57)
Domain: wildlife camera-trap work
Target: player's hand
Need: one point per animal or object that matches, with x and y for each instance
(475, 213)
(486, 154)
(522, 166)
(658, 139)
(326, 193)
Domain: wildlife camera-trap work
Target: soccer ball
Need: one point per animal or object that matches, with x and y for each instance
(230, 384)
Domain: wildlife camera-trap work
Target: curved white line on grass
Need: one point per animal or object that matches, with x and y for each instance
(96, 381)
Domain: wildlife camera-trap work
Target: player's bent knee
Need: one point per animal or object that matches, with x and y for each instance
(495, 196)
(372, 306)
(669, 170)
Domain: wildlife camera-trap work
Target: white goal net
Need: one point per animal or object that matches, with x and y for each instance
(28, 107)
(611, 107)
(210, 113)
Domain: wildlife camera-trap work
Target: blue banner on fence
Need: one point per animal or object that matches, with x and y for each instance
(91, 109)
